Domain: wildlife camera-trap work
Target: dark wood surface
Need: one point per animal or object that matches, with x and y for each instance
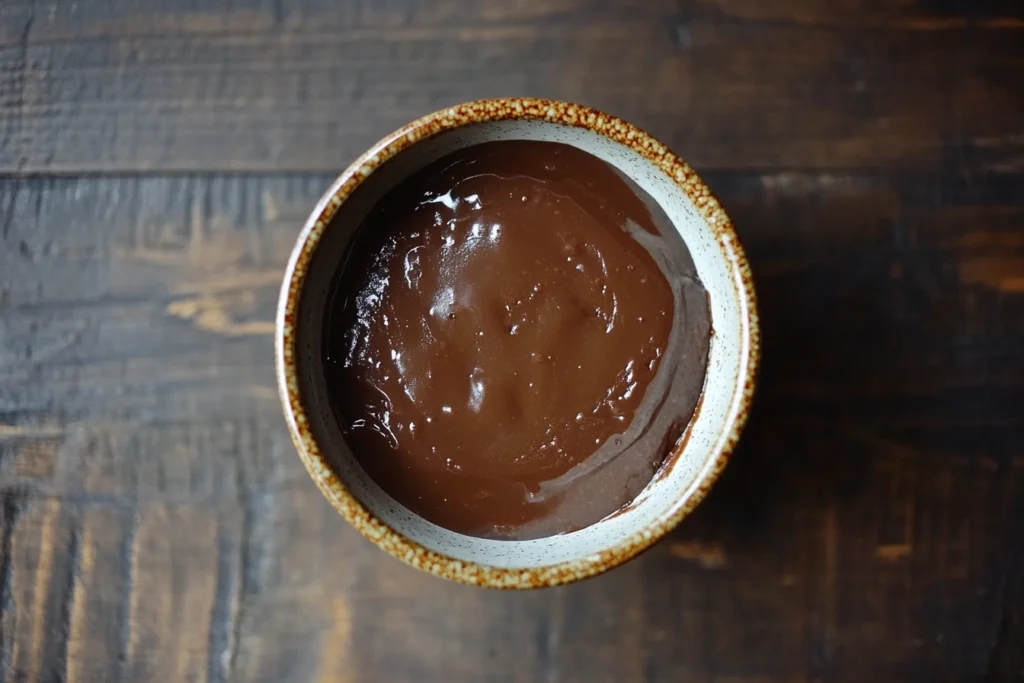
(156, 160)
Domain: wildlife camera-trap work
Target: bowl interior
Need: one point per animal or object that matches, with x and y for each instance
(706, 435)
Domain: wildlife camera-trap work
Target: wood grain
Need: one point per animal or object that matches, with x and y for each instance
(875, 504)
(273, 86)
(156, 160)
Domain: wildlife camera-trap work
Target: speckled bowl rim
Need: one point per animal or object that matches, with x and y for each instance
(483, 111)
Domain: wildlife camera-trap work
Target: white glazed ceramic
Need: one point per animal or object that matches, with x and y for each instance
(689, 470)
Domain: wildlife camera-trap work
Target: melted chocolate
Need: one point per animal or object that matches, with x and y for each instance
(516, 339)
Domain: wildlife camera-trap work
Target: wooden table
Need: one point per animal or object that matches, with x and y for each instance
(156, 160)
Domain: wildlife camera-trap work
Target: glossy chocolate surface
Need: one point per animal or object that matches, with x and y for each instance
(516, 340)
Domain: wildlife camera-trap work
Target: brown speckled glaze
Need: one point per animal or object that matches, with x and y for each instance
(352, 509)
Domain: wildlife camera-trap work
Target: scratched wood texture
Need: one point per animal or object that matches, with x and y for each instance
(156, 159)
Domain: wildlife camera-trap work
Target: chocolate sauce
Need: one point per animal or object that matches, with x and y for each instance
(516, 339)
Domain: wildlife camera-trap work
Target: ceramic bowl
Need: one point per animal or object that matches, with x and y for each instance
(694, 463)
